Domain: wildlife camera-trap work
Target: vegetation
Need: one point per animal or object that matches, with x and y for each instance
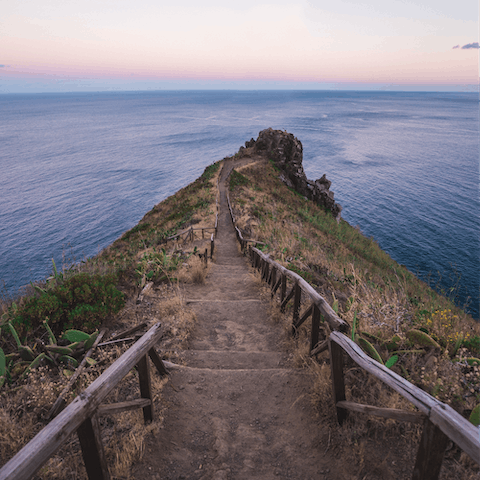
(45, 332)
(395, 318)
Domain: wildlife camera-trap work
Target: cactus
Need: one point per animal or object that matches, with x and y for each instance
(76, 336)
(14, 334)
(370, 349)
(68, 360)
(393, 343)
(51, 336)
(91, 340)
(26, 353)
(372, 337)
(34, 364)
(421, 338)
(59, 349)
(475, 416)
(391, 361)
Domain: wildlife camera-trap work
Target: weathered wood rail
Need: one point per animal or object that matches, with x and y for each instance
(81, 415)
(189, 233)
(440, 422)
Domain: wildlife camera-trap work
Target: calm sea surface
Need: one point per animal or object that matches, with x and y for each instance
(77, 170)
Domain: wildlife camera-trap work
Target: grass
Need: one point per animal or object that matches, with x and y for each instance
(101, 292)
(388, 302)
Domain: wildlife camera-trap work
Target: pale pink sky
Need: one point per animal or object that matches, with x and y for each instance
(53, 45)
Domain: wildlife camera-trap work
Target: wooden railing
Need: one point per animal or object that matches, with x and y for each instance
(81, 415)
(440, 421)
(276, 276)
(189, 233)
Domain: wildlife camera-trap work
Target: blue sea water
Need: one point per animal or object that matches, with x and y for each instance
(77, 170)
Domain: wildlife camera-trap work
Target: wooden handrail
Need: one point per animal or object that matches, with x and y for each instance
(33, 455)
(445, 418)
(422, 400)
(191, 229)
(334, 321)
(441, 422)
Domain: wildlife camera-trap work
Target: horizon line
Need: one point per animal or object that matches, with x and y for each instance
(415, 89)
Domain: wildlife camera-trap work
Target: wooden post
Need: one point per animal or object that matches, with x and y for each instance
(266, 271)
(203, 234)
(316, 317)
(306, 314)
(296, 303)
(212, 246)
(338, 380)
(206, 256)
(273, 277)
(143, 368)
(283, 288)
(92, 449)
(430, 452)
(157, 361)
(275, 287)
(269, 274)
(287, 299)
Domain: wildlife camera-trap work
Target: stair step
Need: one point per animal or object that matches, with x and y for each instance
(235, 360)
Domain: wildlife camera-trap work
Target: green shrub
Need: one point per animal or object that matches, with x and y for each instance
(82, 301)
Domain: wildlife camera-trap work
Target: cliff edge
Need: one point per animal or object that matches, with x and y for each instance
(286, 151)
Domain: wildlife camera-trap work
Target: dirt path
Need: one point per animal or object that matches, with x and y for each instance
(237, 410)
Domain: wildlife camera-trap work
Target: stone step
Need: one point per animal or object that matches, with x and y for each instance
(235, 360)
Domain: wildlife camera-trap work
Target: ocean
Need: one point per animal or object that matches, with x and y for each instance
(77, 170)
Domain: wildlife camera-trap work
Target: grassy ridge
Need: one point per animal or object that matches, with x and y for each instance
(436, 344)
(87, 294)
(38, 353)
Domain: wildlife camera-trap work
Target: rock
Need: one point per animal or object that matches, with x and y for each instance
(286, 151)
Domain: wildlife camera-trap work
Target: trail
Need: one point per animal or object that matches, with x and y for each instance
(237, 410)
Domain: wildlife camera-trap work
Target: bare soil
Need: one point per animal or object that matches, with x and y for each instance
(237, 409)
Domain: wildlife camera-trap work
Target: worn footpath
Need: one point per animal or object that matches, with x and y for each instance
(237, 409)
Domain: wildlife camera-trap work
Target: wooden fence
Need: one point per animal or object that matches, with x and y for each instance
(81, 415)
(440, 422)
(189, 233)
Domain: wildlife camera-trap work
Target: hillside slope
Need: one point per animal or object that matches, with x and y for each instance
(428, 340)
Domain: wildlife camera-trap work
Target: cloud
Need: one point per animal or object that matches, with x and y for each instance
(456, 46)
(471, 45)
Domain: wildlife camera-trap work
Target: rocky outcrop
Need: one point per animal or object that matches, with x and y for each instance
(286, 151)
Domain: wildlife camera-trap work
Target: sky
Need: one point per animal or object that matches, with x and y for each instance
(115, 45)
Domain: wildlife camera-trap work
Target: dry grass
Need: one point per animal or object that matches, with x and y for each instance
(138, 257)
(386, 300)
(193, 271)
(22, 411)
